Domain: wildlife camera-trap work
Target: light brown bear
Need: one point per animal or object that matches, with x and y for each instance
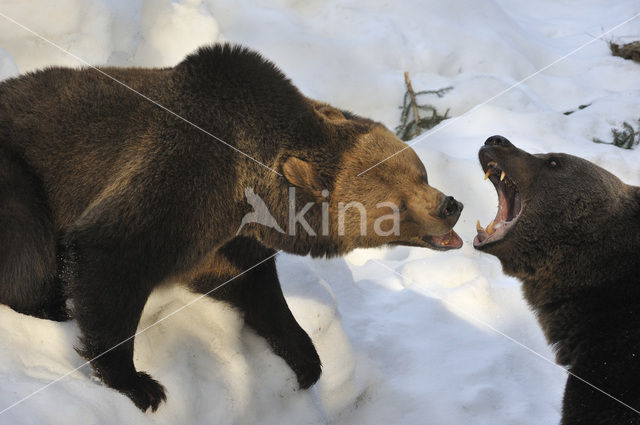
(104, 196)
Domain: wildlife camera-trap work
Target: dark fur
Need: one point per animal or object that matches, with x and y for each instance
(575, 247)
(138, 197)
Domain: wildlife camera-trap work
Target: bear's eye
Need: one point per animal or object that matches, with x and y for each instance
(403, 206)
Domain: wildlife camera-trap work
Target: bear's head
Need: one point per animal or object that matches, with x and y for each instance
(560, 218)
(360, 187)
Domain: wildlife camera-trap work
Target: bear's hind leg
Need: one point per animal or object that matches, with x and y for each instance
(258, 296)
(28, 266)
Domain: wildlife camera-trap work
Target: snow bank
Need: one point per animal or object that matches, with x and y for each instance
(406, 335)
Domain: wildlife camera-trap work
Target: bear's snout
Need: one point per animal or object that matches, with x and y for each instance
(450, 207)
(498, 140)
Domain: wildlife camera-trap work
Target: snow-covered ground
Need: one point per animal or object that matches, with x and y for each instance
(406, 335)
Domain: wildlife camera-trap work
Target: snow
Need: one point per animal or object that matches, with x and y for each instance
(406, 335)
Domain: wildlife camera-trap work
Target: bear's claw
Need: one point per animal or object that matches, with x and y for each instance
(145, 392)
(305, 362)
(308, 373)
(301, 356)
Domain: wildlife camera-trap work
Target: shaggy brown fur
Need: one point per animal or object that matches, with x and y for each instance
(128, 196)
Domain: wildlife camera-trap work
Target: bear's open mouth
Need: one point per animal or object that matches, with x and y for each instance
(449, 240)
(444, 242)
(509, 203)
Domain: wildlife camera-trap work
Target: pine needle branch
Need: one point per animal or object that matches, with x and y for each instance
(411, 123)
(626, 137)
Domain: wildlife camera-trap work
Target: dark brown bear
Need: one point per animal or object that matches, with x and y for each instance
(570, 231)
(104, 195)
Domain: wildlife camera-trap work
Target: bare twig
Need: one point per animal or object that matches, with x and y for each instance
(414, 104)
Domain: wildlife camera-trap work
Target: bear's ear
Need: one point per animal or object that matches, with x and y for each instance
(330, 113)
(301, 174)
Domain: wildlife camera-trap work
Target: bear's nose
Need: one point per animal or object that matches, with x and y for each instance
(498, 141)
(450, 207)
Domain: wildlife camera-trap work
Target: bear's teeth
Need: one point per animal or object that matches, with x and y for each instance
(447, 238)
(490, 229)
(503, 175)
(479, 228)
(490, 168)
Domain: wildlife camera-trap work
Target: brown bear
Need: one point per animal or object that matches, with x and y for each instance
(570, 231)
(106, 194)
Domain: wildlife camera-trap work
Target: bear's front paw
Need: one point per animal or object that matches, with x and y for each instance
(308, 372)
(298, 351)
(305, 362)
(145, 392)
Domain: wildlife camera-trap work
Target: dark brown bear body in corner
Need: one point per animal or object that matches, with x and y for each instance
(104, 195)
(570, 231)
